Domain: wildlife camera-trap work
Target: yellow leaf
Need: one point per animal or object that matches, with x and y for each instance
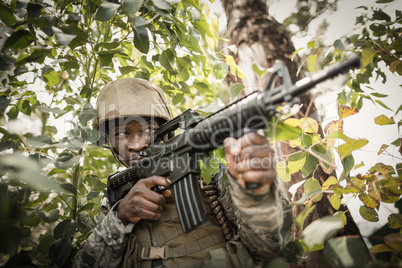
(282, 172)
(335, 201)
(383, 120)
(295, 143)
(308, 125)
(345, 111)
(292, 122)
(329, 182)
(393, 65)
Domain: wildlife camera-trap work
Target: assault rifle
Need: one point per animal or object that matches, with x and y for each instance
(177, 158)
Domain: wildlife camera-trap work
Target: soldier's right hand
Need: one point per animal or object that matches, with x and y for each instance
(143, 203)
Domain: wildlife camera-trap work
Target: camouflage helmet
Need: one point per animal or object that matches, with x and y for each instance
(130, 97)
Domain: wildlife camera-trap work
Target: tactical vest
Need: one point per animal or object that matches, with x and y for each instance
(163, 244)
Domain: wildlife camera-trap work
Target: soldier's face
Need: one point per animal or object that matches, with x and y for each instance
(131, 136)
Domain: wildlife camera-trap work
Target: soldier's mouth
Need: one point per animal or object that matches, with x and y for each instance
(134, 160)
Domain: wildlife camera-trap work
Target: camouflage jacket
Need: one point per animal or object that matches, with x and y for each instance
(263, 223)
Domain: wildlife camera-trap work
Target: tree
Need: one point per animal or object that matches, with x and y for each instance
(260, 40)
(55, 56)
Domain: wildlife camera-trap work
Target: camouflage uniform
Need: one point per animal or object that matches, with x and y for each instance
(262, 223)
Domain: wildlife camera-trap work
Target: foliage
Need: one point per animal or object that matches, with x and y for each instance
(307, 11)
(378, 45)
(55, 58)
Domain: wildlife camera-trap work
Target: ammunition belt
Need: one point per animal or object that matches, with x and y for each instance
(212, 197)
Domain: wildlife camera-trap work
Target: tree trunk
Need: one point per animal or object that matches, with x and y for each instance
(261, 40)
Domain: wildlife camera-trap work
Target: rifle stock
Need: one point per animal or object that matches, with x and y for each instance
(177, 158)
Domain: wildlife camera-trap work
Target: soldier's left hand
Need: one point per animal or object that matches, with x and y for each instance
(250, 159)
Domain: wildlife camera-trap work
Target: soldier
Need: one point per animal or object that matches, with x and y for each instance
(244, 227)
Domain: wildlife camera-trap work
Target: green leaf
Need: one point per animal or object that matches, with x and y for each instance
(301, 217)
(178, 98)
(320, 230)
(65, 228)
(395, 221)
(89, 134)
(350, 146)
(63, 38)
(235, 89)
(281, 170)
(44, 244)
(367, 56)
(380, 248)
(311, 63)
(394, 241)
(20, 39)
(383, 1)
(69, 188)
(296, 162)
(311, 44)
(66, 160)
(380, 15)
(83, 220)
(202, 87)
(383, 120)
(368, 214)
(280, 131)
(208, 166)
(220, 70)
(166, 59)
(28, 171)
(50, 217)
(359, 165)
(310, 165)
(46, 109)
(8, 145)
(338, 44)
(383, 105)
(346, 252)
(161, 4)
(87, 115)
(34, 10)
(55, 171)
(194, 44)
(141, 39)
(106, 11)
(312, 185)
(60, 251)
(348, 162)
(97, 154)
(127, 69)
(6, 62)
(132, 6)
(7, 15)
(41, 141)
(257, 70)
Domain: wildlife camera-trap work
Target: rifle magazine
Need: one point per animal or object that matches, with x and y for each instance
(190, 207)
